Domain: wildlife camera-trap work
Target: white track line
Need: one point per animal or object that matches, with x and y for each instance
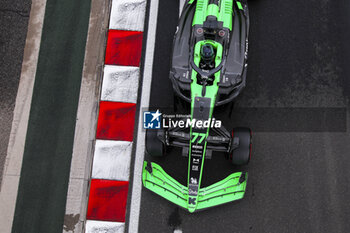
(145, 98)
(177, 230)
(18, 134)
(181, 5)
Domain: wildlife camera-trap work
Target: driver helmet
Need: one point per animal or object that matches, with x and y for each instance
(207, 53)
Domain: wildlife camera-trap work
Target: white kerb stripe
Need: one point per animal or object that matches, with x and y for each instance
(120, 83)
(128, 15)
(145, 98)
(112, 160)
(104, 227)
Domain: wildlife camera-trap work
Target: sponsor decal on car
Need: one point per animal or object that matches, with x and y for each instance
(195, 161)
(193, 190)
(194, 180)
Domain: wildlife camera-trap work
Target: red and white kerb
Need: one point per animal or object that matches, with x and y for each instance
(114, 136)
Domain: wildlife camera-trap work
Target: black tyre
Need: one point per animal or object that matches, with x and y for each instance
(154, 145)
(242, 154)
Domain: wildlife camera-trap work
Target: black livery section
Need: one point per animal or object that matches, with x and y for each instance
(234, 62)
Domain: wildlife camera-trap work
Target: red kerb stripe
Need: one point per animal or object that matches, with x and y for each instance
(107, 200)
(116, 121)
(124, 48)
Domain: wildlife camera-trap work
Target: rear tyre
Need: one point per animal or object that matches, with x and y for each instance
(154, 146)
(242, 154)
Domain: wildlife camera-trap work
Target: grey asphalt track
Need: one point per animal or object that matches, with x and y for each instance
(14, 15)
(298, 179)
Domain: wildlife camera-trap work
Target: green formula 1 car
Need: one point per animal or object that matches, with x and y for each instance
(208, 69)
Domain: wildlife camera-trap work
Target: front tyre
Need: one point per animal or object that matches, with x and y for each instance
(242, 154)
(154, 146)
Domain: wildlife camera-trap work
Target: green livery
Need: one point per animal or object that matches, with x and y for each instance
(229, 189)
(208, 69)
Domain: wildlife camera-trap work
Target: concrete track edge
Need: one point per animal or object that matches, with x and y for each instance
(13, 164)
(85, 128)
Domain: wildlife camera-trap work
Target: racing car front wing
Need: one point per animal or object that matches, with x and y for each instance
(230, 189)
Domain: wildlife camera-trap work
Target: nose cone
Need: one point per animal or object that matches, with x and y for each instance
(191, 209)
